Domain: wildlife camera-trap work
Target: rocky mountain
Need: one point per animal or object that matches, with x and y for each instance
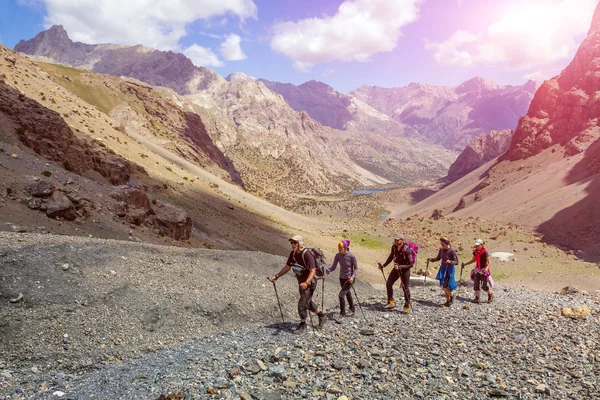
(452, 116)
(481, 150)
(272, 146)
(566, 108)
(337, 110)
(549, 178)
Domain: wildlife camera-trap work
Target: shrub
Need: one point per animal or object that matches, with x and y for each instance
(67, 165)
(43, 98)
(21, 130)
(8, 191)
(185, 178)
(47, 173)
(154, 201)
(3, 76)
(165, 186)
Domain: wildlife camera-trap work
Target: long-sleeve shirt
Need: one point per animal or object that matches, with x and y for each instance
(446, 254)
(348, 265)
(402, 257)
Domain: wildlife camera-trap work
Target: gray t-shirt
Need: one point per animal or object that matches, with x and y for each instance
(348, 265)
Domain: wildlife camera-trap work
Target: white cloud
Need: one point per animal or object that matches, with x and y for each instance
(202, 56)
(360, 29)
(526, 37)
(155, 23)
(230, 48)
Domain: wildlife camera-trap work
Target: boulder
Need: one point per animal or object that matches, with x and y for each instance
(569, 290)
(134, 197)
(575, 312)
(136, 216)
(40, 188)
(437, 214)
(59, 206)
(172, 221)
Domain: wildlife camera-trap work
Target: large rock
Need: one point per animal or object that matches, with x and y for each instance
(481, 150)
(172, 221)
(575, 312)
(59, 206)
(134, 197)
(40, 188)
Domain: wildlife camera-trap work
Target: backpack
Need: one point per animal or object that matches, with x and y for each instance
(415, 250)
(320, 260)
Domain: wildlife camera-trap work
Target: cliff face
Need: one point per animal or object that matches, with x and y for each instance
(565, 109)
(481, 150)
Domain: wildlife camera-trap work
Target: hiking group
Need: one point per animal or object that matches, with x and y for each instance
(308, 265)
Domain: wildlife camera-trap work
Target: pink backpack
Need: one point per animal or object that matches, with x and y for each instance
(415, 249)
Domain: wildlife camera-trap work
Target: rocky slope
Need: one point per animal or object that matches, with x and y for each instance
(452, 116)
(213, 329)
(480, 151)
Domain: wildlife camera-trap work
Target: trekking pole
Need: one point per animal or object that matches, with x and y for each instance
(277, 295)
(311, 321)
(426, 270)
(365, 331)
(323, 294)
(382, 273)
(462, 266)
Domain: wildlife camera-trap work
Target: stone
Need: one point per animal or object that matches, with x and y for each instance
(278, 371)
(568, 290)
(172, 221)
(40, 188)
(35, 203)
(133, 197)
(59, 206)
(575, 312)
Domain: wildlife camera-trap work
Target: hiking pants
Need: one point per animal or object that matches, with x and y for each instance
(345, 294)
(404, 275)
(305, 302)
(480, 280)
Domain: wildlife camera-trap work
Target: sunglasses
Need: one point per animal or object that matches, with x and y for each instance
(293, 242)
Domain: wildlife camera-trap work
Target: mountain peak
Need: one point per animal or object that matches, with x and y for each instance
(240, 76)
(476, 84)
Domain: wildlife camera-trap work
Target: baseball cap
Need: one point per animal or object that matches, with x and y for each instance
(296, 238)
(398, 236)
(478, 242)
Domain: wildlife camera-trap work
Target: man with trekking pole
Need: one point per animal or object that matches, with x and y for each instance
(402, 255)
(302, 262)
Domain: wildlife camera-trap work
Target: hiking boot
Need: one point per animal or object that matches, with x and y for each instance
(490, 297)
(390, 304)
(406, 307)
(350, 314)
(299, 328)
(322, 319)
(451, 299)
(447, 303)
(475, 300)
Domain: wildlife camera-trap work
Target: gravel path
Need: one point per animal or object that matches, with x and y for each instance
(518, 347)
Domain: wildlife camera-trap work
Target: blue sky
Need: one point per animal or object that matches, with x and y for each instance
(345, 44)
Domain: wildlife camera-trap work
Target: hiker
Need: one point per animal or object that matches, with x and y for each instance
(481, 273)
(302, 262)
(402, 255)
(348, 272)
(446, 272)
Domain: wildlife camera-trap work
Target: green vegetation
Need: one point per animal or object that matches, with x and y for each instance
(368, 241)
(47, 173)
(97, 95)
